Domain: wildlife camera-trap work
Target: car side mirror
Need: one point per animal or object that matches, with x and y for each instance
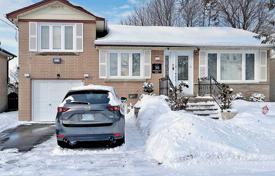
(123, 99)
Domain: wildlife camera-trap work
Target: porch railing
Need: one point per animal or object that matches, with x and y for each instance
(210, 86)
(166, 86)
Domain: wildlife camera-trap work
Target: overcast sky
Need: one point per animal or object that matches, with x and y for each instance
(112, 10)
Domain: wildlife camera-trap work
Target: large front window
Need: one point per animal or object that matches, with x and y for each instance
(231, 66)
(124, 64)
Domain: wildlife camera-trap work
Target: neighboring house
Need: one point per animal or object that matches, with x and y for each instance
(5, 57)
(62, 45)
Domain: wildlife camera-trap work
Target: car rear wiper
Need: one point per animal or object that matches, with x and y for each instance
(78, 102)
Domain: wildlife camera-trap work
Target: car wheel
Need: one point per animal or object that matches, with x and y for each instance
(62, 144)
(120, 142)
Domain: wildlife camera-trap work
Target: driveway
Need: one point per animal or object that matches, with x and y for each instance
(26, 137)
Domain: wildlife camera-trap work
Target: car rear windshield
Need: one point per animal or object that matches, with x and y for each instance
(87, 97)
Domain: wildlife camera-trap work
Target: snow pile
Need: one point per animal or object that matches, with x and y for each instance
(175, 137)
(8, 120)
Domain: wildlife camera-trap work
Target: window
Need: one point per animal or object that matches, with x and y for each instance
(136, 64)
(45, 37)
(91, 97)
(166, 66)
(231, 66)
(69, 38)
(113, 64)
(183, 68)
(124, 64)
(212, 65)
(56, 37)
(60, 37)
(250, 66)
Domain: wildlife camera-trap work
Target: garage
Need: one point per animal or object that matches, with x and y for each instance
(47, 96)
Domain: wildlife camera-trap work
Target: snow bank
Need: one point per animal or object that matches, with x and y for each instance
(175, 137)
(8, 120)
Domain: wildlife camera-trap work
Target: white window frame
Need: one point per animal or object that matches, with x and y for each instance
(130, 52)
(51, 49)
(243, 52)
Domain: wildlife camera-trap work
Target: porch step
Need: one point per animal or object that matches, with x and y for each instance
(205, 113)
(203, 106)
(200, 99)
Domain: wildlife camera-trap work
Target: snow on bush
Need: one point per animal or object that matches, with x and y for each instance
(148, 87)
(175, 137)
(238, 96)
(257, 97)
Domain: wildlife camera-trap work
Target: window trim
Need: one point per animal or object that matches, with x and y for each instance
(243, 52)
(130, 52)
(51, 25)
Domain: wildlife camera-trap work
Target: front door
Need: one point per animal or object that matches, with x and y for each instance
(184, 72)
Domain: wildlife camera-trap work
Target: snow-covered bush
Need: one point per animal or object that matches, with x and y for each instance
(225, 96)
(238, 96)
(148, 87)
(257, 97)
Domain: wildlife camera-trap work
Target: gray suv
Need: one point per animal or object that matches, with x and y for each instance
(91, 113)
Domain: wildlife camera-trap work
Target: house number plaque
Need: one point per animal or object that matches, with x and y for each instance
(156, 68)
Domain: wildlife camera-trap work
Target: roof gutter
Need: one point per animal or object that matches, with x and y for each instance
(8, 54)
(188, 46)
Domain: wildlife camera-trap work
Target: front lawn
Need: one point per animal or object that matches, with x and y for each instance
(179, 138)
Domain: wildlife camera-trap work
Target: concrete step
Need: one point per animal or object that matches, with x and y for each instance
(205, 113)
(201, 108)
(210, 103)
(200, 99)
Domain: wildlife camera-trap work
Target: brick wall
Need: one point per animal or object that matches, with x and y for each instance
(73, 67)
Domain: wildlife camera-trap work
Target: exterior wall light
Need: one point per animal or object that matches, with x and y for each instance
(27, 75)
(86, 76)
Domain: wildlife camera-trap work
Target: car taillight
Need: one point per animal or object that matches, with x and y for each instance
(113, 108)
(62, 109)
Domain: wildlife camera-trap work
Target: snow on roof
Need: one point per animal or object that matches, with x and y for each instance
(178, 36)
(93, 87)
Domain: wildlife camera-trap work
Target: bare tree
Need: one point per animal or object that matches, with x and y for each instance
(155, 12)
(210, 13)
(254, 15)
(190, 12)
(243, 14)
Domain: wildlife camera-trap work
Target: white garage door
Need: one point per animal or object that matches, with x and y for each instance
(47, 96)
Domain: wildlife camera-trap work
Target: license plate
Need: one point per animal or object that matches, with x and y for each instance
(88, 117)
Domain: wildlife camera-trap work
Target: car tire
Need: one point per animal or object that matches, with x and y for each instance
(62, 144)
(120, 142)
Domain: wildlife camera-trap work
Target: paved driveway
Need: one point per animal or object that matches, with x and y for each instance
(25, 137)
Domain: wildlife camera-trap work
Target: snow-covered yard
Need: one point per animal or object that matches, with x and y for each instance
(163, 142)
(188, 141)
(8, 120)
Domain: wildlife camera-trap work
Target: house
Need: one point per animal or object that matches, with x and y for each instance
(62, 45)
(5, 57)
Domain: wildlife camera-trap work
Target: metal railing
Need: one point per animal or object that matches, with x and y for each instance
(166, 86)
(210, 86)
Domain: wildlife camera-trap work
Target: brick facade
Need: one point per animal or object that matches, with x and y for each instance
(73, 67)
